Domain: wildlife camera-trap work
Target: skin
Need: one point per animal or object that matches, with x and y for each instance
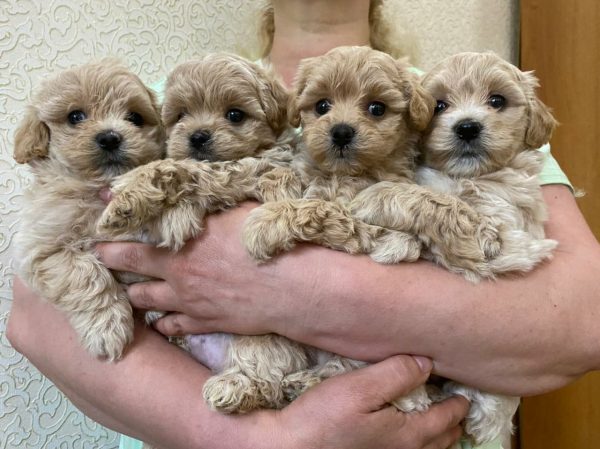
(536, 333)
(144, 394)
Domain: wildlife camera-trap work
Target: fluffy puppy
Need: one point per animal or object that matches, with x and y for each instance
(481, 147)
(83, 128)
(226, 126)
(361, 113)
(228, 140)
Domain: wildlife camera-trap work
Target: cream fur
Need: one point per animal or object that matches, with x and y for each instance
(62, 206)
(168, 200)
(500, 182)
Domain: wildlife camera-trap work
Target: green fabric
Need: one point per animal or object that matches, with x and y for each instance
(129, 443)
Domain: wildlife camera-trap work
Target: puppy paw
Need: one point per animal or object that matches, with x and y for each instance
(279, 184)
(489, 417)
(232, 392)
(106, 332)
(294, 384)
(266, 232)
(395, 246)
(416, 401)
(489, 238)
(125, 214)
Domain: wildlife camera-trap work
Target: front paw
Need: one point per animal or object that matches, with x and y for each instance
(279, 184)
(489, 417)
(395, 246)
(489, 238)
(416, 401)
(233, 392)
(123, 215)
(266, 233)
(106, 332)
(295, 384)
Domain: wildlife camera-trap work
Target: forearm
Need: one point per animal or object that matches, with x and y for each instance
(154, 393)
(519, 335)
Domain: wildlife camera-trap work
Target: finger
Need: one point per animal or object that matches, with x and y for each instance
(178, 324)
(135, 257)
(380, 384)
(440, 417)
(446, 440)
(153, 295)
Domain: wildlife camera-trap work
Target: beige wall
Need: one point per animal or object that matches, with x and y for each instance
(38, 37)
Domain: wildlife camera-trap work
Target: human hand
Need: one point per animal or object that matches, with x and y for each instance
(212, 284)
(353, 411)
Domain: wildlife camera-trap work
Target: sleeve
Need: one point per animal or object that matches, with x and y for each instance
(551, 171)
(159, 89)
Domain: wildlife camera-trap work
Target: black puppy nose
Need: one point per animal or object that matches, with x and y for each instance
(342, 134)
(468, 130)
(199, 139)
(109, 140)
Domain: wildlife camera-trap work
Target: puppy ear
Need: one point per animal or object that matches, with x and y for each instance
(420, 103)
(273, 98)
(541, 122)
(32, 138)
(304, 72)
(420, 107)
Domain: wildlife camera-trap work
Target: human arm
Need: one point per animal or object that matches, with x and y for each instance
(518, 335)
(154, 393)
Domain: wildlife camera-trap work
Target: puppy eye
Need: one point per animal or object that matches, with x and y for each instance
(76, 117)
(376, 108)
(136, 119)
(440, 106)
(235, 115)
(322, 107)
(497, 101)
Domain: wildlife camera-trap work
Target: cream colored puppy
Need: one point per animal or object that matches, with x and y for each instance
(481, 147)
(361, 113)
(83, 128)
(228, 140)
(227, 136)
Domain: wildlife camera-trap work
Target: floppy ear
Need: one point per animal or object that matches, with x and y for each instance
(541, 122)
(420, 107)
(304, 72)
(32, 138)
(273, 98)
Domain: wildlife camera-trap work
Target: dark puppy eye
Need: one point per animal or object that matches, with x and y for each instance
(440, 106)
(76, 117)
(136, 119)
(497, 101)
(235, 115)
(323, 106)
(376, 108)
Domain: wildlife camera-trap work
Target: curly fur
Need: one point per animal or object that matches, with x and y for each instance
(63, 204)
(496, 174)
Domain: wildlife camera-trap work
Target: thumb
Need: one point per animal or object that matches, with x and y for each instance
(384, 382)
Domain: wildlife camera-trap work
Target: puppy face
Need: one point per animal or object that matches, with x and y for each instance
(97, 120)
(359, 109)
(486, 112)
(222, 108)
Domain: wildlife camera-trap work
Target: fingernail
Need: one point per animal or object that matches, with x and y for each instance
(424, 363)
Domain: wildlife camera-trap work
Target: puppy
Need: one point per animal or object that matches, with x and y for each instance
(228, 140)
(83, 128)
(480, 147)
(361, 113)
(226, 126)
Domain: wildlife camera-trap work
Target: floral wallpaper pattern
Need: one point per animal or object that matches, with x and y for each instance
(39, 37)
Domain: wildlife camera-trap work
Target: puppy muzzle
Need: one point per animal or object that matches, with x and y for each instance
(201, 143)
(342, 138)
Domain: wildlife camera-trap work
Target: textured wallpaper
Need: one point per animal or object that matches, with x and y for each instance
(38, 37)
